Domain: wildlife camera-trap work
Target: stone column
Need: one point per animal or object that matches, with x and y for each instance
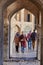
(38, 27)
(41, 37)
(1, 36)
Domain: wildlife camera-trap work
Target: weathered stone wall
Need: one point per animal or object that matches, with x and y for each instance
(1, 37)
(42, 37)
(5, 39)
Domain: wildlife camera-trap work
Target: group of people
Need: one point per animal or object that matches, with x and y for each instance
(23, 39)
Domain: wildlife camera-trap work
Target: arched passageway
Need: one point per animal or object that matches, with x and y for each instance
(26, 4)
(26, 26)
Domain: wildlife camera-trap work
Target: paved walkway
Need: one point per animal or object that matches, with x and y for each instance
(27, 53)
(22, 63)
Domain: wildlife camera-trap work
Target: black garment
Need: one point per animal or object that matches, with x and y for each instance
(33, 36)
(21, 37)
(17, 48)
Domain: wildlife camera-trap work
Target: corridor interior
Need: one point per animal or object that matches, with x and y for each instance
(22, 21)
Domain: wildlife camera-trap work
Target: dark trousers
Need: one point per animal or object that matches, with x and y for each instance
(17, 48)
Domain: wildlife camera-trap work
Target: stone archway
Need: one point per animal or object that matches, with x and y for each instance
(36, 11)
(8, 2)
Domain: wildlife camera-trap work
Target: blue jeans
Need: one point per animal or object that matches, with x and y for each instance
(29, 44)
(22, 49)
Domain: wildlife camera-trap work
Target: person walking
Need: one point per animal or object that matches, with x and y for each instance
(23, 42)
(16, 40)
(33, 38)
(29, 40)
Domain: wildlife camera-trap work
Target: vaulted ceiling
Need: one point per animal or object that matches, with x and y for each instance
(15, 5)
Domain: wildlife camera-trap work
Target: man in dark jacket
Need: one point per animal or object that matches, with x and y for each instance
(33, 38)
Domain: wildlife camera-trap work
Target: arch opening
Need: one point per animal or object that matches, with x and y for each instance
(14, 12)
